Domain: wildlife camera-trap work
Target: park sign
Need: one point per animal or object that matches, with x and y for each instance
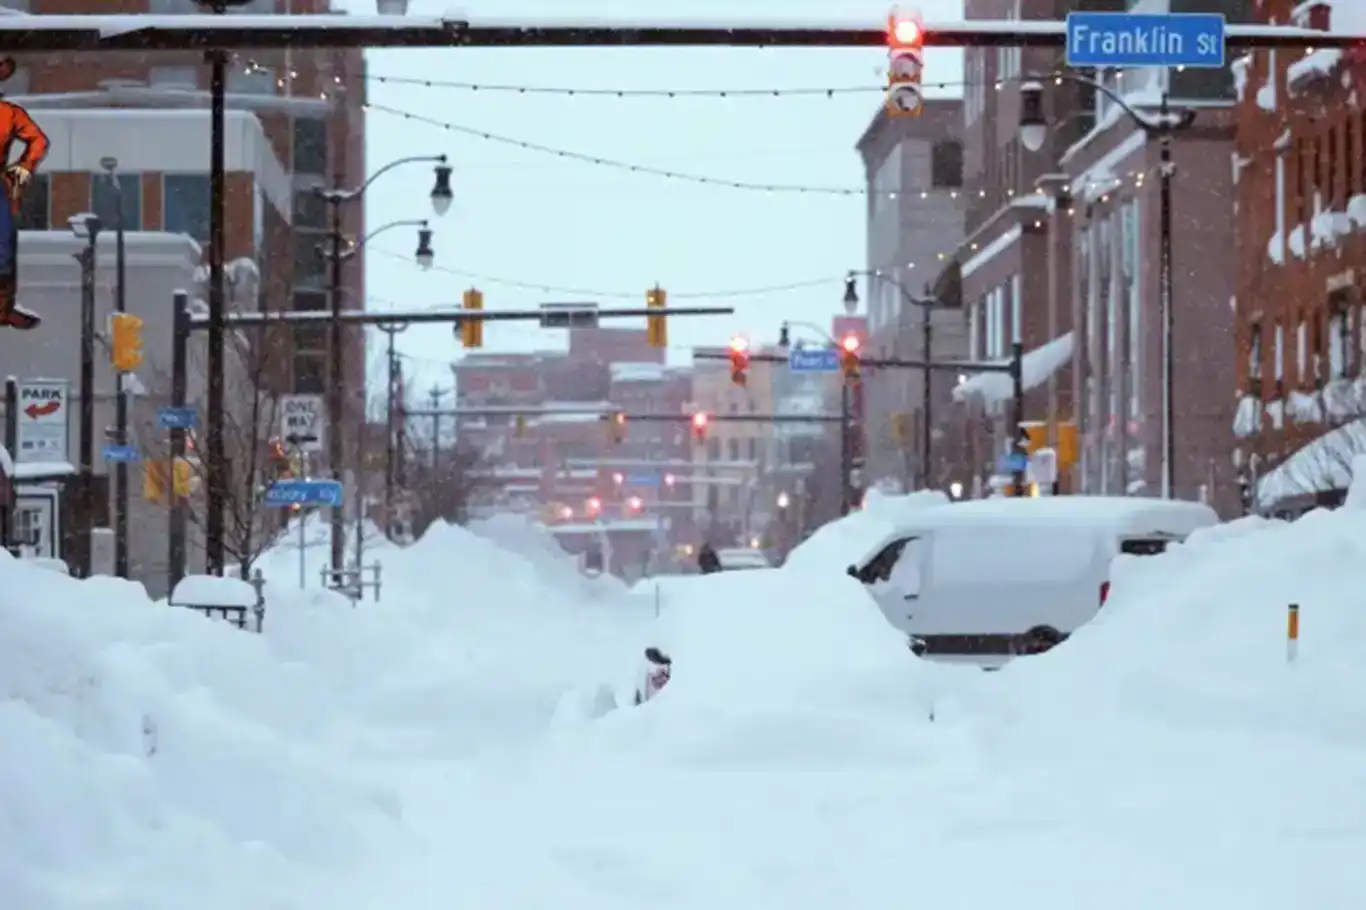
(1119, 40)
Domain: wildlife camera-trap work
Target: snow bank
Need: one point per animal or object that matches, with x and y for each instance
(150, 756)
(531, 541)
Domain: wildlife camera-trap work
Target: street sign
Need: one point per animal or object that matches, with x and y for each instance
(301, 422)
(176, 418)
(569, 315)
(1012, 463)
(1112, 40)
(285, 493)
(42, 420)
(642, 480)
(119, 453)
(813, 360)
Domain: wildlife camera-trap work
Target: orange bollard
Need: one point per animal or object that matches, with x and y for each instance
(1292, 633)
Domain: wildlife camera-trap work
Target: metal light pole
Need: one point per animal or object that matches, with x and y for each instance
(87, 225)
(339, 251)
(111, 166)
(392, 408)
(1033, 133)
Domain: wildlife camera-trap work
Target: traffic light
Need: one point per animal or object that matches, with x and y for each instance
(905, 64)
(154, 479)
(657, 330)
(125, 345)
(182, 481)
(849, 358)
(699, 426)
(593, 506)
(635, 504)
(472, 330)
(618, 427)
(739, 360)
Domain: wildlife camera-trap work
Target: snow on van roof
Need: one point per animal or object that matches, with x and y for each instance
(1130, 513)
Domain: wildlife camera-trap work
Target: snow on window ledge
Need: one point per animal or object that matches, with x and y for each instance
(1247, 417)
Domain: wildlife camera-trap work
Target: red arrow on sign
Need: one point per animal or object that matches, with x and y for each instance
(42, 410)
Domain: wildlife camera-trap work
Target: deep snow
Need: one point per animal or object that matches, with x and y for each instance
(425, 752)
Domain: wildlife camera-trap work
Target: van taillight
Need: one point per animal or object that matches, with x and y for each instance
(1104, 592)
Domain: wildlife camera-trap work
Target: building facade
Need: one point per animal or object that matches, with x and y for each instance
(916, 207)
(1062, 254)
(1300, 316)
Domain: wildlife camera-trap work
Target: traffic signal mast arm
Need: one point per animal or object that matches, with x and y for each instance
(369, 317)
(615, 416)
(201, 32)
(960, 366)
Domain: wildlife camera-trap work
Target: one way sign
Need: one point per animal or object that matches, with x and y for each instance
(301, 422)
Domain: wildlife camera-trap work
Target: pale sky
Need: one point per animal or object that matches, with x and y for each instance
(604, 234)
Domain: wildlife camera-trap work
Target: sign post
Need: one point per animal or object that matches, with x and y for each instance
(43, 432)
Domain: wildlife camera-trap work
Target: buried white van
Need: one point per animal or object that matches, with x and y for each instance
(982, 580)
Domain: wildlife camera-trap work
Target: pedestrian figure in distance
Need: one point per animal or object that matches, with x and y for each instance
(707, 560)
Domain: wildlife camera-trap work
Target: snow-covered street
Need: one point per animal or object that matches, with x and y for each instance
(444, 748)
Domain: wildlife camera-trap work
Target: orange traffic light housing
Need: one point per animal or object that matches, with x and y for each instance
(739, 360)
(849, 358)
(905, 64)
(472, 330)
(125, 346)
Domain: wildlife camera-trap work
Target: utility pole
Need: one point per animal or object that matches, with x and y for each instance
(846, 449)
(393, 405)
(926, 396)
(121, 568)
(336, 380)
(435, 396)
(87, 381)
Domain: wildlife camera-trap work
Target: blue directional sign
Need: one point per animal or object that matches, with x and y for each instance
(285, 493)
(1015, 461)
(118, 453)
(813, 360)
(177, 418)
(642, 480)
(1145, 39)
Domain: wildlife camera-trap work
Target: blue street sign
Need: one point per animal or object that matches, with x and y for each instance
(118, 453)
(813, 360)
(642, 480)
(1145, 39)
(284, 493)
(177, 418)
(1015, 461)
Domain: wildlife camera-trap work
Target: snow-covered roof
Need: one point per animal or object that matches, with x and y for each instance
(1317, 467)
(638, 372)
(1038, 365)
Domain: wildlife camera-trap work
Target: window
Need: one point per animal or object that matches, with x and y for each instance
(104, 200)
(309, 262)
(310, 374)
(310, 338)
(713, 450)
(1016, 309)
(310, 301)
(184, 77)
(1254, 357)
(753, 449)
(185, 205)
(975, 330)
(310, 210)
(1339, 343)
(946, 164)
(1330, 167)
(35, 205)
(1301, 349)
(1278, 355)
(732, 450)
(1128, 216)
(310, 145)
(256, 81)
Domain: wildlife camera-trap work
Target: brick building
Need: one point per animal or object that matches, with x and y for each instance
(914, 175)
(1301, 320)
(295, 121)
(1061, 254)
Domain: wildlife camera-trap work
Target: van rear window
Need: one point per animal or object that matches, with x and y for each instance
(1144, 546)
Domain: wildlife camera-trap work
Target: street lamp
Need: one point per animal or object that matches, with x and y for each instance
(441, 194)
(784, 500)
(1033, 130)
(424, 255)
(926, 303)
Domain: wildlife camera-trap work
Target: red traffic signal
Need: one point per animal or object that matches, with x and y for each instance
(849, 359)
(635, 503)
(593, 505)
(905, 30)
(739, 359)
(699, 425)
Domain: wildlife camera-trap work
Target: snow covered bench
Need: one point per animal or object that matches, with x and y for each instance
(231, 599)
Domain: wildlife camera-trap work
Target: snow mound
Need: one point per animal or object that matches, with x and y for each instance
(518, 534)
(150, 755)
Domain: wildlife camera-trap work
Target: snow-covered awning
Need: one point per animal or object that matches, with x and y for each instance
(1319, 466)
(1038, 365)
